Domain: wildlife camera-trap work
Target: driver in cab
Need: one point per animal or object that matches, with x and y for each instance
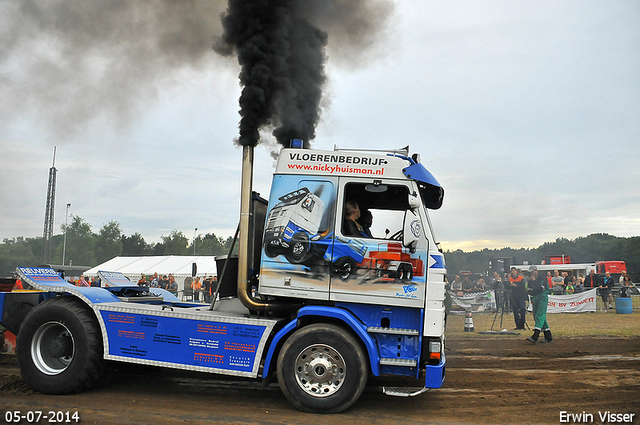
(350, 226)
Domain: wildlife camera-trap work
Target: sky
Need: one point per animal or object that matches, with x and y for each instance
(527, 113)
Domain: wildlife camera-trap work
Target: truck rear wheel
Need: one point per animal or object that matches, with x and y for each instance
(344, 267)
(322, 369)
(59, 347)
(405, 271)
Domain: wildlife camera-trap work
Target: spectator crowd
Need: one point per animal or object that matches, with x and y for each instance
(561, 283)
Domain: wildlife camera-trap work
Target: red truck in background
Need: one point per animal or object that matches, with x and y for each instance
(556, 259)
(601, 267)
(611, 267)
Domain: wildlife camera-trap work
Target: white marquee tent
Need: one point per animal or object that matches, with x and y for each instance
(177, 265)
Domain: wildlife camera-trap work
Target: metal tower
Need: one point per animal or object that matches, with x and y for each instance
(48, 213)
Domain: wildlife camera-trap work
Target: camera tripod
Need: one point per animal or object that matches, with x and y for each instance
(502, 298)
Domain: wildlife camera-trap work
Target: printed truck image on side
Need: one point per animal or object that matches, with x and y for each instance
(391, 262)
(291, 224)
(292, 230)
(339, 277)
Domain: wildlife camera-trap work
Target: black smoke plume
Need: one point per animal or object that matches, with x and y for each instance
(282, 52)
(68, 62)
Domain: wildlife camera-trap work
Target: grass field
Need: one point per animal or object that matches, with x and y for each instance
(561, 324)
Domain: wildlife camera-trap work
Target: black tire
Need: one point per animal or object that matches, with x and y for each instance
(344, 267)
(298, 249)
(322, 368)
(59, 347)
(271, 251)
(405, 271)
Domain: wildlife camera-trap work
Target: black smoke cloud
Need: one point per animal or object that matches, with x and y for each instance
(69, 62)
(282, 60)
(281, 48)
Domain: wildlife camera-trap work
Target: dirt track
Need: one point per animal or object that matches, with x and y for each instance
(489, 380)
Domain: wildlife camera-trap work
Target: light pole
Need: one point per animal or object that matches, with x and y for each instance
(194, 240)
(64, 244)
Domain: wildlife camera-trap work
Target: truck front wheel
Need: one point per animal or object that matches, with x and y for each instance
(298, 249)
(59, 347)
(322, 369)
(271, 251)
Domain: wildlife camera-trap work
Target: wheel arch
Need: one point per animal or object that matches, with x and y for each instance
(82, 303)
(54, 287)
(87, 305)
(323, 314)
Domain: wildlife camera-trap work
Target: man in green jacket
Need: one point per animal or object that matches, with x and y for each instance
(538, 287)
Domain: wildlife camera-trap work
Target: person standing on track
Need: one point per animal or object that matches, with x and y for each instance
(518, 297)
(538, 287)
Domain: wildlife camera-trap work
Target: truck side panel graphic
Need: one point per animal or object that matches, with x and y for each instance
(302, 254)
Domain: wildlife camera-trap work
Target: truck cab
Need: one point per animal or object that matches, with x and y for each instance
(391, 265)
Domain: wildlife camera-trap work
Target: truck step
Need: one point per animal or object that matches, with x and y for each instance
(388, 361)
(394, 331)
(404, 391)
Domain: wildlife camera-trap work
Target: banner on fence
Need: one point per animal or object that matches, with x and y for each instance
(576, 303)
(473, 301)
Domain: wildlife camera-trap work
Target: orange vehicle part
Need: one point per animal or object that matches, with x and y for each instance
(391, 252)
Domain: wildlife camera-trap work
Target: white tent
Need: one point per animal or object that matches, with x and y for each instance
(177, 265)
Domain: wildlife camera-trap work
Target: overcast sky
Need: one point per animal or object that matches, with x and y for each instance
(528, 113)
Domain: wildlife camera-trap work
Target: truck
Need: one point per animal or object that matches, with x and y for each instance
(601, 267)
(556, 259)
(613, 267)
(318, 310)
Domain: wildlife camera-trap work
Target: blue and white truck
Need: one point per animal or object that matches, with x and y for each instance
(321, 317)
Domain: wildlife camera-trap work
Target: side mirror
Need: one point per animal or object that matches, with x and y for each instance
(414, 202)
(412, 228)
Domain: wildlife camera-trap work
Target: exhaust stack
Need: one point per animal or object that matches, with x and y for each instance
(247, 238)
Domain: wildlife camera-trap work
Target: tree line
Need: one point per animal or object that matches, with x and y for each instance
(588, 249)
(84, 247)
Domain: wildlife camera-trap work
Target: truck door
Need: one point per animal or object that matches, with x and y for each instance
(298, 236)
(382, 259)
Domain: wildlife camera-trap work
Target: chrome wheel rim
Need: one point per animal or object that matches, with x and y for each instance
(320, 370)
(298, 249)
(52, 348)
(345, 270)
